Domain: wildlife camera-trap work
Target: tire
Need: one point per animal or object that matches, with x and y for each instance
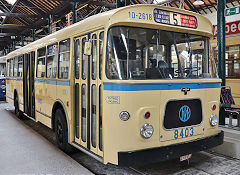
(61, 132)
(17, 110)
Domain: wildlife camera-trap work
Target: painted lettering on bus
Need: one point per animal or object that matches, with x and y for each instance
(113, 99)
(140, 16)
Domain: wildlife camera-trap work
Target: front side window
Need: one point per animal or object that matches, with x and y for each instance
(41, 56)
(20, 66)
(52, 52)
(64, 58)
(138, 53)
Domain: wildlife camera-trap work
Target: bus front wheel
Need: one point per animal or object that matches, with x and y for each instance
(61, 132)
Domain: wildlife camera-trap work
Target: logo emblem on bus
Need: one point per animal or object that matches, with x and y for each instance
(184, 113)
(185, 90)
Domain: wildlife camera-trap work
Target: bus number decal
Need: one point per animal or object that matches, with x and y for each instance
(184, 132)
(141, 16)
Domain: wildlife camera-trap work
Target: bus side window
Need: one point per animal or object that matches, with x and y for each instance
(101, 36)
(8, 68)
(63, 59)
(41, 56)
(11, 68)
(52, 51)
(15, 67)
(20, 66)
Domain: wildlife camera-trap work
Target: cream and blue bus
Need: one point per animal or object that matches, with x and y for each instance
(129, 86)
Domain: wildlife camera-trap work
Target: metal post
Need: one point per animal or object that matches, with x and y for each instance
(50, 21)
(14, 44)
(74, 4)
(22, 40)
(221, 48)
(33, 34)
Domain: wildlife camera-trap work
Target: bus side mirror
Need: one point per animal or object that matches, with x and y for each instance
(88, 48)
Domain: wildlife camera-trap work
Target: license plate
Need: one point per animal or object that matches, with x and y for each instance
(183, 133)
(186, 157)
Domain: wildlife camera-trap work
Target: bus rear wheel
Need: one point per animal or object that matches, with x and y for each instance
(61, 132)
(17, 110)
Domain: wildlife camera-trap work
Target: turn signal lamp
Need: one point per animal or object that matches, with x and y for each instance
(214, 107)
(147, 115)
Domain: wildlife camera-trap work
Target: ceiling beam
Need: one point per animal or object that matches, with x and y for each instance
(18, 15)
(102, 3)
(33, 7)
(7, 34)
(14, 27)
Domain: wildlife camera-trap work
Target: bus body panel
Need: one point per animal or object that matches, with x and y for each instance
(127, 99)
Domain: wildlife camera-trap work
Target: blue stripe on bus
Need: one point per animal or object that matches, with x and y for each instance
(16, 79)
(150, 87)
(53, 82)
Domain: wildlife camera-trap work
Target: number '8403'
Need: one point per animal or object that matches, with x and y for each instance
(184, 132)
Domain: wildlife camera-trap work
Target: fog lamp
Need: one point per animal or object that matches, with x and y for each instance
(213, 120)
(147, 130)
(124, 115)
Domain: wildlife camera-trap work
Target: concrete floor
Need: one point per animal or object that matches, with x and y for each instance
(24, 151)
(34, 151)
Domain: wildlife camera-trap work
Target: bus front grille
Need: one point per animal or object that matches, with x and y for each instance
(182, 113)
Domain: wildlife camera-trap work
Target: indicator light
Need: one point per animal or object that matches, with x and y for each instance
(147, 115)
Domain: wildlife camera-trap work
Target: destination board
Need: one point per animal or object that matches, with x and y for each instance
(173, 18)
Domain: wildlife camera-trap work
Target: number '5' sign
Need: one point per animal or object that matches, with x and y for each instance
(175, 21)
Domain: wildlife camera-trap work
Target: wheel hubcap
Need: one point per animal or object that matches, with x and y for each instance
(59, 132)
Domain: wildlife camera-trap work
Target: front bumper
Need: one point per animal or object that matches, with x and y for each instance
(147, 156)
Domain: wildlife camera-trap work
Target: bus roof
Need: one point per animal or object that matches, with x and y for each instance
(120, 16)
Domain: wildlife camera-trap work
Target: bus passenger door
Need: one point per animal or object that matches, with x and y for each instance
(87, 94)
(28, 84)
(81, 91)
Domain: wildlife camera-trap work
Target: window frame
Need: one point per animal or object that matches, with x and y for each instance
(59, 52)
(44, 62)
(47, 56)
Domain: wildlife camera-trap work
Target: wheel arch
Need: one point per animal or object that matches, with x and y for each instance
(60, 105)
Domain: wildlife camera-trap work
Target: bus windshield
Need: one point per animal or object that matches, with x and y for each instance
(141, 54)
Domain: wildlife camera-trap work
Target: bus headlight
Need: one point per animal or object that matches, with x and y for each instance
(147, 130)
(213, 120)
(124, 115)
(3, 87)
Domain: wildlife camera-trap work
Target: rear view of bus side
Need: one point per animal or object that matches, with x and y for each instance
(129, 86)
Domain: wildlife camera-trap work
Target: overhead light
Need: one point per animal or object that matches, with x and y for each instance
(198, 2)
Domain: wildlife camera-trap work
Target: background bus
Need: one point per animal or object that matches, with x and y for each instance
(123, 86)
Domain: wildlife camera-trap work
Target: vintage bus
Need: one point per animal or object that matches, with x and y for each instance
(129, 86)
